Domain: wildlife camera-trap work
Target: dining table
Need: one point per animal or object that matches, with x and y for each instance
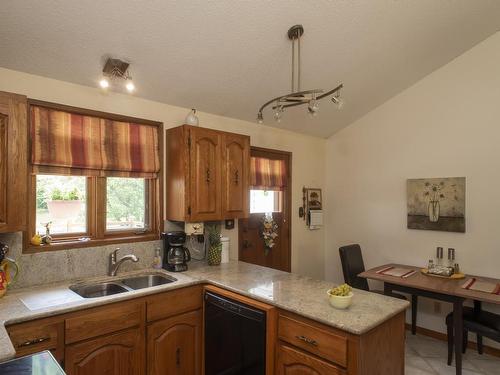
(439, 288)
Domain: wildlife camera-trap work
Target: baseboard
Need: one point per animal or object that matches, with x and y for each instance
(443, 337)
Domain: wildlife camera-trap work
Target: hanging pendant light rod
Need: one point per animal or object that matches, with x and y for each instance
(295, 98)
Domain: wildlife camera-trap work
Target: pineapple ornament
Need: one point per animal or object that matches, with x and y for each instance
(214, 254)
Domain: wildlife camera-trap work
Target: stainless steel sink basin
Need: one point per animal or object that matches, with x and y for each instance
(147, 281)
(98, 290)
(108, 288)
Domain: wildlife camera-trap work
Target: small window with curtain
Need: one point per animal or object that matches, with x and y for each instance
(267, 181)
(94, 179)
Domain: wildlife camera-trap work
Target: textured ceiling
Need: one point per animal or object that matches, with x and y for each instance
(227, 57)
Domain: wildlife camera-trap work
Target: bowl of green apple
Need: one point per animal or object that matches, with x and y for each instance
(340, 297)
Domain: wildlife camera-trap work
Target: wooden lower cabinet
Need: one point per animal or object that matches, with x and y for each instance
(117, 354)
(174, 345)
(38, 335)
(292, 361)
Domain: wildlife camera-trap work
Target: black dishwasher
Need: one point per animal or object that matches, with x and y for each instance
(235, 337)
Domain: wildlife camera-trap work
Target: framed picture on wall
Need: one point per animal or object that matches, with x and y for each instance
(314, 200)
(436, 204)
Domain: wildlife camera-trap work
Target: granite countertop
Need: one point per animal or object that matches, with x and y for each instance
(295, 293)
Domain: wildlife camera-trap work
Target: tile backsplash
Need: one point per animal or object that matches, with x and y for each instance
(53, 266)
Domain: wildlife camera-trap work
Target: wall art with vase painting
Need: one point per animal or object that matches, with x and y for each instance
(436, 204)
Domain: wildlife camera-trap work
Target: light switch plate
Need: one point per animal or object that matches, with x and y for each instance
(193, 229)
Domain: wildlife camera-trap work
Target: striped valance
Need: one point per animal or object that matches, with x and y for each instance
(69, 143)
(267, 174)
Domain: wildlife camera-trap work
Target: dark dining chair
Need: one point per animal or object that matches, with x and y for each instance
(351, 258)
(476, 320)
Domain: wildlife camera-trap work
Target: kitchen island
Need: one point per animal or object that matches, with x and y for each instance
(300, 302)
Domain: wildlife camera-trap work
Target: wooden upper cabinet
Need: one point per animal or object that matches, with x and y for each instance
(13, 162)
(236, 159)
(207, 174)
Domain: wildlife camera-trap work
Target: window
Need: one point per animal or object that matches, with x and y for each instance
(89, 209)
(264, 201)
(95, 178)
(125, 204)
(61, 204)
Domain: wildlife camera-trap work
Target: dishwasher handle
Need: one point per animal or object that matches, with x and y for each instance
(235, 307)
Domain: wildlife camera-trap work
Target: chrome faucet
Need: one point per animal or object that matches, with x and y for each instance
(114, 264)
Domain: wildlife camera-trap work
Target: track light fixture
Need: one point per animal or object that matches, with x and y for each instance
(298, 97)
(116, 71)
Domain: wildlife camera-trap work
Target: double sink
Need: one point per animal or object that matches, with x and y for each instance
(108, 288)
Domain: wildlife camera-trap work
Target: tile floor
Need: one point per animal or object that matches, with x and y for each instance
(427, 356)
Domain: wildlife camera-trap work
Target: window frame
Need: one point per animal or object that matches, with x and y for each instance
(96, 198)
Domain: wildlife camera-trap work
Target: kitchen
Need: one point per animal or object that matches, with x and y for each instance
(43, 302)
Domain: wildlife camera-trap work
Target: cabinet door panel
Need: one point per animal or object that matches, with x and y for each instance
(235, 170)
(295, 362)
(174, 345)
(13, 162)
(206, 176)
(117, 354)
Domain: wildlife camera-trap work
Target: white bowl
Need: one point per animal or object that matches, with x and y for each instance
(340, 302)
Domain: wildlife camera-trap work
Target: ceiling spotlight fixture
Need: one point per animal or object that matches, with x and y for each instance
(260, 118)
(116, 71)
(338, 100)
(298, 97)
(130, 86)
(313, 107)
(278, 112)
(104, 83)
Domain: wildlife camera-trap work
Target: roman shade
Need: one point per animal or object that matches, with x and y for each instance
(267, 174)
(74, 144)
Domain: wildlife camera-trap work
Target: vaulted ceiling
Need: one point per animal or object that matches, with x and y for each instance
(228, 57)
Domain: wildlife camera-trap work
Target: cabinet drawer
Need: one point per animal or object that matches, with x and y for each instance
(38, 335)
(310, 337)
(103, 320)
(174, 302)
(292, 361)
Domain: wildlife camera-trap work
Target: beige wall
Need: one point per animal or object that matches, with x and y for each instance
(446, 125)
(307, 246)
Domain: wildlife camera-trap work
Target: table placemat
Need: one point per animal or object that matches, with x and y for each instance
(397, 272)
(482, 286)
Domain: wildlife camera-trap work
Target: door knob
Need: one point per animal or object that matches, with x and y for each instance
(246, 244)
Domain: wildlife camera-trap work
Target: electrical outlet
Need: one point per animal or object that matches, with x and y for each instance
(193, 229)
(437, 307)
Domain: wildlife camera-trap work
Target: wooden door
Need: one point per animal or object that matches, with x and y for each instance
(205, 175)
(174, 345)
(13, 162)
(236, 159)
(251, 244)
(116, 354)
(291, 361)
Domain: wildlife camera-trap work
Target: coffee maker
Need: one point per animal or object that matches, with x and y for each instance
(175, 256)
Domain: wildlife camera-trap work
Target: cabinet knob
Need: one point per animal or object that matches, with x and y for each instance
(307, 340)
(33, 342)
(208, 175)
(236, 177)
